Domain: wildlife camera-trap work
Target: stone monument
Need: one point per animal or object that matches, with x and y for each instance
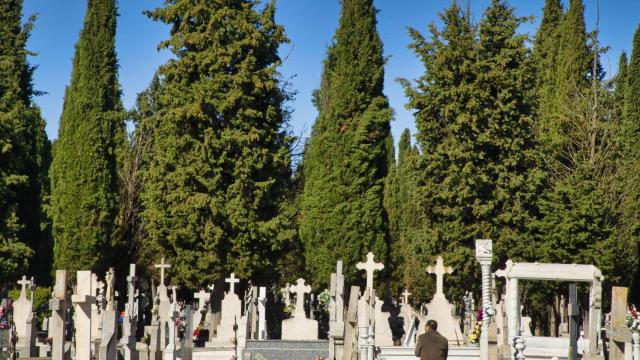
(163, 306)
(129, 322)
(109, 339)
(58, 305)
(299, 327)
(231, 316)
(440, 310)
(82, 300)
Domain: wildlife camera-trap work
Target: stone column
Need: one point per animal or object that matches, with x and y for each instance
(484, 255)
(58, 306)
(82, 301)
(129, 323)
(514, 311)
(636, 345)
(262, 306)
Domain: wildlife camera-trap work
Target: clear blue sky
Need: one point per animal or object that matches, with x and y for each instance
(310, 25)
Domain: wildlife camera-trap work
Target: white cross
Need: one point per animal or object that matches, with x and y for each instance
(24, 283)
(202, 297)
(405, 296)
(232, 283)
(370, 266)
(162, 266)
(174, 295)
(300, 289)
(440, 270)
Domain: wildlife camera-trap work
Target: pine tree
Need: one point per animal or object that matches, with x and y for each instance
(84, 180)
(620, 86)
(219, 162)
(631, 112)
(347, 159)
(474, 117)
(24, 151)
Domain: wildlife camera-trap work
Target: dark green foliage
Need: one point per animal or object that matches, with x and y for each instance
(620, 83)
(473, 113)
(24, 152)
(345, 164)
(631, 113)
(84, 181)
(218, 161)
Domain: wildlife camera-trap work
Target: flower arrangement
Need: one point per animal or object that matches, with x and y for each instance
(197, 333)
(474, 336)
(289, 309)
(323, 299)
(633, 319)
(5, 311)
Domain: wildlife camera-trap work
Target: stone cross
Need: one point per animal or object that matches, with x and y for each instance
(131, 289)
(440, 271)
(262, 306)
(162, 266)
(618, 332)
(405, 296)
(58, 305)
(370, 266)
(232, 283)
(24, 283)
(174, 294)
(300, 289)
(202, 297)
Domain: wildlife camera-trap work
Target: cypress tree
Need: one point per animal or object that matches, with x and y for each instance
(474, 116)
(24, 151)
(84, 181)
(219, 162)
(620, 86)
(347, 159)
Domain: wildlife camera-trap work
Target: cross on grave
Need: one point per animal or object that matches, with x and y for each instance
(174, 294)
(232, 283)
(618, 332)
(24, 283)
(131, 283)
(405, 296)
(162, 266)
(370, 266)
(202, 297)
(440, 271)
(300, 289)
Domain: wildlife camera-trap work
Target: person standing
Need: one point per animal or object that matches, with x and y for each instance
(431, 345)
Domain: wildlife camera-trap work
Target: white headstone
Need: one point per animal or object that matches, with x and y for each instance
(83, 300)
(440, 310)
(299, 327)
(202, 297)
(231, 314)
(370, 266)
(164, 303)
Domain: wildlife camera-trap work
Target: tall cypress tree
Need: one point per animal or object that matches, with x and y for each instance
(620, 83)
(84, 181)
(219, 163)
(346, 162)
(473, 113)
(545, 59)
(24, 152)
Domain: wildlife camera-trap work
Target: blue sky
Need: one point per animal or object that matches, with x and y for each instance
(310, 25)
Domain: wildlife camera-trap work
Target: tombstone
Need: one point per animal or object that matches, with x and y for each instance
(366, 304)
(82, 300)
(262, 308)
(203, 298)
(299, 327)
(231, 316)
(336, 313)
(97, 308)
(439, 308)
(618, 332)
(383, 334)
(163, 307)
(174, 315)
(406, 311)
(23, 320)
(350, 330)
(155, 347)
(129, 321)
(186, 345)
(58, 305)
(109, 339)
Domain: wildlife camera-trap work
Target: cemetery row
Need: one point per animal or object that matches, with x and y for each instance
(85, 322)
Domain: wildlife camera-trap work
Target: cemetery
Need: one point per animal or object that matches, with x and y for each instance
(89, 319)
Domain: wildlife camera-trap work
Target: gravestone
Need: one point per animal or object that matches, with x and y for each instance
(366, 307)
(439, 308)
(109, 339)
(299, 327)
(350, 350)
(203, 298)
(406, 312)
(155, 347)
(129, 321)
(97, 289)
(262, 308)
(231, 316)
(336, 313)
(186, 344)
(163, 306)
(82, 300)
(58, 305)
(24, 320)
(174, 315)
(383, 335)
(618, 332)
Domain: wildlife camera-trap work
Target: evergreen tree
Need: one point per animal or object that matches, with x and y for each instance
(24, 152)
(631, 112)
(620, 84)
(84, 180)
(219, 162)
(347, 159)
(473, 113)
(545, 59)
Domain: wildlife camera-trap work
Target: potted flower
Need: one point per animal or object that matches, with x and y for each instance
(324, 298)
(474, 336)
(633, 323)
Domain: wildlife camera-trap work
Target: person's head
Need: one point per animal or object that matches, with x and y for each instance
(431, 325)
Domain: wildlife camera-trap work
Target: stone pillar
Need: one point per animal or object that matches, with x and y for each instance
(514, 310)
(595, 314)
(58, 305)
(262, 306)
(82, 301)
(484, 255)
(129, 322)
(636, 345)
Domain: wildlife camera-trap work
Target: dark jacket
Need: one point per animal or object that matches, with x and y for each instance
(432, 346)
